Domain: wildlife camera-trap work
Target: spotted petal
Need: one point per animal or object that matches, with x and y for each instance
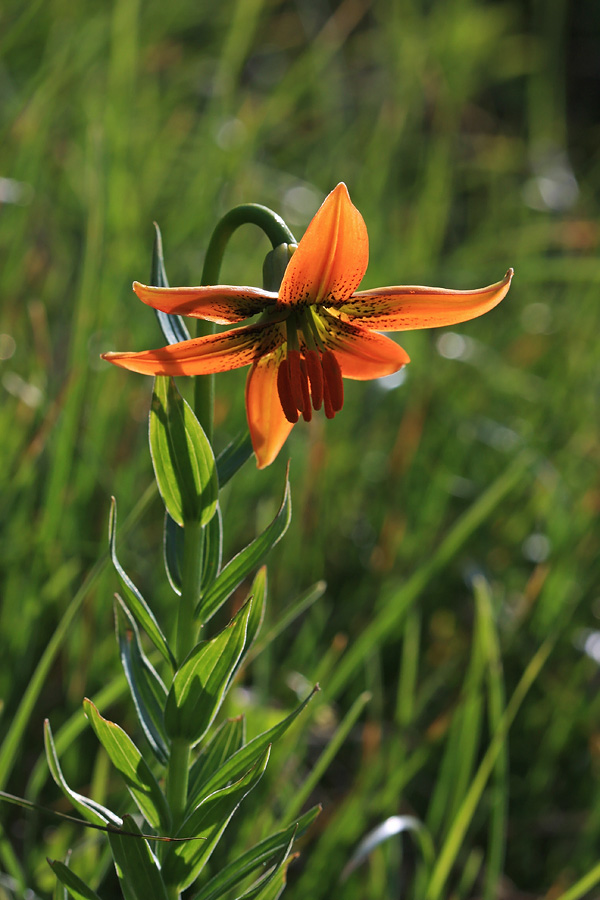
(223, 304)
(409, 307)
(331, 258)
(267, 423)
(215, 353)
(363, 354)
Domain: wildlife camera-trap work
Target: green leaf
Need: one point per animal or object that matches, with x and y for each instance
(199, 686)
(127, 759)
(89, 809)
(265, 853)
(77, 888)
(227, 739)
(183, 460)
(246, 560)
(172, 326)
(147, 690)
(275, 885)
(258, 595)
(212, 552)
(137, 867)
(270, 880)
(133, 599)
(184, 861)
(233, 457)
(246, 756)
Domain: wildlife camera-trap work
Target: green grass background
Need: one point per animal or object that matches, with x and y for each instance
(454, 516)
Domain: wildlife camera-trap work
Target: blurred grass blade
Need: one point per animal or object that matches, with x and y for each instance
(184, 861)
(77, 888)
(261, 854)
(200, 683)
(582, 887)
(386, 621)
(173, 327)
(246, 560)
(392, 826)
(182, 457)
(328, 754)
(133, 599)
(137, 867)
(133, 768)
(293, 611)
(147, 689)
(12, 739)
(499, 792)
(451, 847)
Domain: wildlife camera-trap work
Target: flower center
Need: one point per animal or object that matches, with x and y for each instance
(308, 379)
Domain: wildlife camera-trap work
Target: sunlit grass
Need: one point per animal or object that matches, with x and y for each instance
(451, 129)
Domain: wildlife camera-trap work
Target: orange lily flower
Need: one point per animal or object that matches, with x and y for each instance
(317, 329)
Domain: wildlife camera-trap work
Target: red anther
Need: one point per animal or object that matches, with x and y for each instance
(293, 357)
(329, 410)
(306, 409)
(315, 374)
(284, 390)
(332, 376)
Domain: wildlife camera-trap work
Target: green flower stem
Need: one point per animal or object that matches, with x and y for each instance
(177, 780)
(278, 233)
(191, 581)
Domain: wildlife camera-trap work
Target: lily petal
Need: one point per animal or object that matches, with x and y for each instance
(408, 307)
(331, 258)
(364, 354)
(267, 423)
(214, 353)
(223, 304)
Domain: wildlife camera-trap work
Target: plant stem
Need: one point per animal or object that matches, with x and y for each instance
(191, 586)
(278, 233)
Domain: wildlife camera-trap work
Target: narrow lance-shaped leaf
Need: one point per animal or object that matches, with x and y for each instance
(199, 686)
(244, 758)
(263, 854)
(227, 740)
(183, 460)
(137, 867)
(262, 884)
(90, 810)
(129, 762)
(77, 888)
(233, 457)
(184, 861)
(147, 689)
(274, 886)
(246, 560)
(172, 326)
(258, 595)
(132, 597)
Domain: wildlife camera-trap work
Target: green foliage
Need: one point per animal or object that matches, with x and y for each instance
(182, 457)
(454, 125)
(201, 681)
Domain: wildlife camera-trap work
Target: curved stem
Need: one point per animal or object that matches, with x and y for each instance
(278, 233)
